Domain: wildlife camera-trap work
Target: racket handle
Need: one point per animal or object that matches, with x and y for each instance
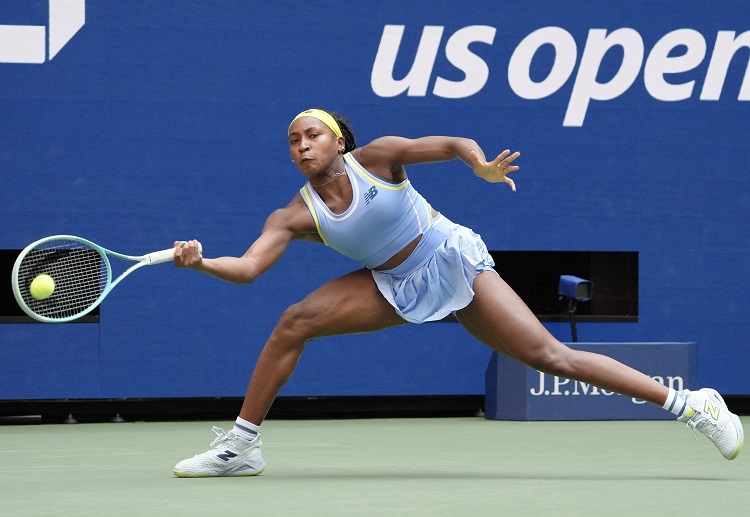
(157, 257)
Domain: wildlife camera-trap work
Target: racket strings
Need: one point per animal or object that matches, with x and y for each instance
(79, 272)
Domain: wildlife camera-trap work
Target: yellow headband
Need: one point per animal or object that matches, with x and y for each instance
(321, 115)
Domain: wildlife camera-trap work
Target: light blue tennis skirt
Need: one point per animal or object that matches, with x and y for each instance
(436, 279)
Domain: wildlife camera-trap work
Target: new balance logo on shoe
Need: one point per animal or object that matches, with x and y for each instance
(711, 409)
(243, 459)
(226, 455)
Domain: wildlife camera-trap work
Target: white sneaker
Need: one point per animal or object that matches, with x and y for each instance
(230, 456)
(707, 412)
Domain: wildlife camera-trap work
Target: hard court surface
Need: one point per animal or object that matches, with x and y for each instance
(452, 466)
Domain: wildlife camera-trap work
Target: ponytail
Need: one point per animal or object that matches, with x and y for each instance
(349, 143)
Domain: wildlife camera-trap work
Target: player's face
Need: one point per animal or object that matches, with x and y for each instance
(313, 146)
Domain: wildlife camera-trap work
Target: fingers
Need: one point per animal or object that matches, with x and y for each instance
(187, 253)
(504, 158)
(503, 167)
(496, 170)
(501, 157)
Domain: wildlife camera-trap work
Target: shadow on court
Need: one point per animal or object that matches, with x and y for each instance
(453, 466)
(410, 474)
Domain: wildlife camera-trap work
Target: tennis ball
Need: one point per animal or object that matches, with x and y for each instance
(42, 287)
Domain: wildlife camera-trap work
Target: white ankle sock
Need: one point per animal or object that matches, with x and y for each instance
(245, 430)
(675, 403)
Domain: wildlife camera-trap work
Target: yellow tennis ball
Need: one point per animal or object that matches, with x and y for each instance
(42, 287)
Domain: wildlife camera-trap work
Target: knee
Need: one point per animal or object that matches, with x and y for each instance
(297, 324)
(554, 358)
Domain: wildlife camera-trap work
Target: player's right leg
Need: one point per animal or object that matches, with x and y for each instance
(351, 304)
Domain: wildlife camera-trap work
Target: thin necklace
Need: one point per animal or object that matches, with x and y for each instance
(336, 175)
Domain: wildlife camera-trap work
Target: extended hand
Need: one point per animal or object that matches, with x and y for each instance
(496, 170)
(187, 254)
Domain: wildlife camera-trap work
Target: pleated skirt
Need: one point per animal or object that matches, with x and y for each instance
(437, 278)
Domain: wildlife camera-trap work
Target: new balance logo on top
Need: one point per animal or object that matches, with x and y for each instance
(370, 194)
(226, 455)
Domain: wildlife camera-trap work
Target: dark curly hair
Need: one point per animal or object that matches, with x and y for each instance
(349, 143)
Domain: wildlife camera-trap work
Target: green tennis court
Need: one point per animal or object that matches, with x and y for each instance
(448, 466)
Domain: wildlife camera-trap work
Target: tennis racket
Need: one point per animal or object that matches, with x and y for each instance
(81, 272)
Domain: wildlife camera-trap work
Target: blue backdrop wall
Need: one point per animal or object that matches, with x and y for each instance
(137, 123)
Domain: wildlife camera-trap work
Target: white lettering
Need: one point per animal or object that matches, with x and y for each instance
(659, 63)
(724, 50)
(581, 388)
(584, 388)
(566, 54)
(418, 78)
(559, 381)
(474, 68)
(540, 391)
(66, 17)
(676, 382)
(677, 52)
(26, 43)
(587, 88)
(22, 44)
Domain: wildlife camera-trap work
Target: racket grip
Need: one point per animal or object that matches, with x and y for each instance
(157, 257)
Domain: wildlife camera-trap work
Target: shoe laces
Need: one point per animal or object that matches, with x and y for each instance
(701, 423)
(221, 436)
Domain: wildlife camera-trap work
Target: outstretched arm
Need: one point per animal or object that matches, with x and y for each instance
(281, 227)
(392, 153)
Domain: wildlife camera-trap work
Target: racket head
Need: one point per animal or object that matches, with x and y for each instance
(80, 269)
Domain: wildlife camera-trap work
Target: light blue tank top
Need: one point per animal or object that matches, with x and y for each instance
(383, 218)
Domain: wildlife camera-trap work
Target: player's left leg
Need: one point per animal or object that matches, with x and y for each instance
(500, 319)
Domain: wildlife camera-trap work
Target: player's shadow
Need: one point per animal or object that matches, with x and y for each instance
(365, 473)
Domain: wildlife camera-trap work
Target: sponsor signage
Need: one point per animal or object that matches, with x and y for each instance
(515, 391)
(669, 69)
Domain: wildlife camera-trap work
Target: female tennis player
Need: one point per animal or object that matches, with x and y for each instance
(418, 266)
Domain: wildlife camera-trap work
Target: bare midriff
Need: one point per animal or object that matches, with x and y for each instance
(399, 257)
(402, 255)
